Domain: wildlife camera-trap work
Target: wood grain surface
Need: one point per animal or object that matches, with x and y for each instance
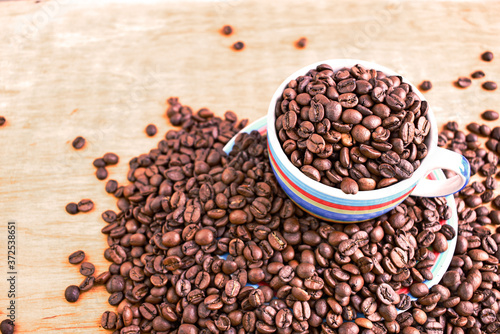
(103, 70)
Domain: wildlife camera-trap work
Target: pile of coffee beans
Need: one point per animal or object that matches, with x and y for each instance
(206, 242)
(353, 129)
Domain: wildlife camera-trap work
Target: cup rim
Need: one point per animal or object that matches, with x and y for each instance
(424, 168)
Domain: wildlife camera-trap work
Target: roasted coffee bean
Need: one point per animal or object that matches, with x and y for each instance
(109, 320)
(7, 325)
(110, 159)
(85, 205)
(101, 173)
(76, 257)
(151, 130)
(78, 143)
(301, 43)
(72, 293)
(477, 74)
(489, 85)
(463, 82)
(490, 115)
(72, 208)
(487, 56)
(238, 46)
(87, 269)
(425, 85)
(227, 30)
(349, 186)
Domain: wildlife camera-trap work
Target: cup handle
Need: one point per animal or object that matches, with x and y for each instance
(444, 159)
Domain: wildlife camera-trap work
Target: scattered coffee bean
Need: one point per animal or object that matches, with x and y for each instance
(78, 143)
(101, 173)
(87, 269)
(2, 120)
(463, 82)
(425, 85)
(301, 43)
(7, 326)
(487, 56)
(77, 257)
(238, 46)
(477, 74)
(227, 30)
(72, 293)
(85, 205)
(110, 159)
(489, 85)
(72, 208)
(490, 115)
(151, 130)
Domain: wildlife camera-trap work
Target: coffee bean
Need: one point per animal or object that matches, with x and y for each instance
(238, 46)
(87, 269)
(487, 56)
(349, 186)
(7, 326)
(109, 320)
(110, 159)
(477, 74)
(227, 30)
(490, 115)
(72, 208)
(489, 85)
(386, 294)
(463, 82)
(101, 173)
(425, 85)
(85, 205)
(301, 43)
(87, 284)
(72, 293)
(78, 143)
(151, 130)
(76, 257)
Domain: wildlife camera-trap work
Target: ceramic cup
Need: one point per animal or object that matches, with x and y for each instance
(331, 204)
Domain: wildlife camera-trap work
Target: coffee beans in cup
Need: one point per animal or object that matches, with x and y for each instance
(354, 128)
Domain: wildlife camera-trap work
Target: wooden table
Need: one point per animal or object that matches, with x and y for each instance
(104, 71)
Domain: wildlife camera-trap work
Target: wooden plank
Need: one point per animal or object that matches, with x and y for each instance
(104, 71)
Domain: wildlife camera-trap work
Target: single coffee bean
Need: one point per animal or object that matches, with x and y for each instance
(78, 143)
(238, 46)
(101, 173)
(489, 85)
(76, 257)
(227, 30)
(87, 283)
(349, 186)
(151, 130)
(477, 74)
(487, 56)
(72, 293)
(109, 320)
(463, 82)
(72, 208)
(110, 159)
(7, 326)
(301, 43)
(87, 269)
(490, 115)
(85, 205)
(425, 85)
